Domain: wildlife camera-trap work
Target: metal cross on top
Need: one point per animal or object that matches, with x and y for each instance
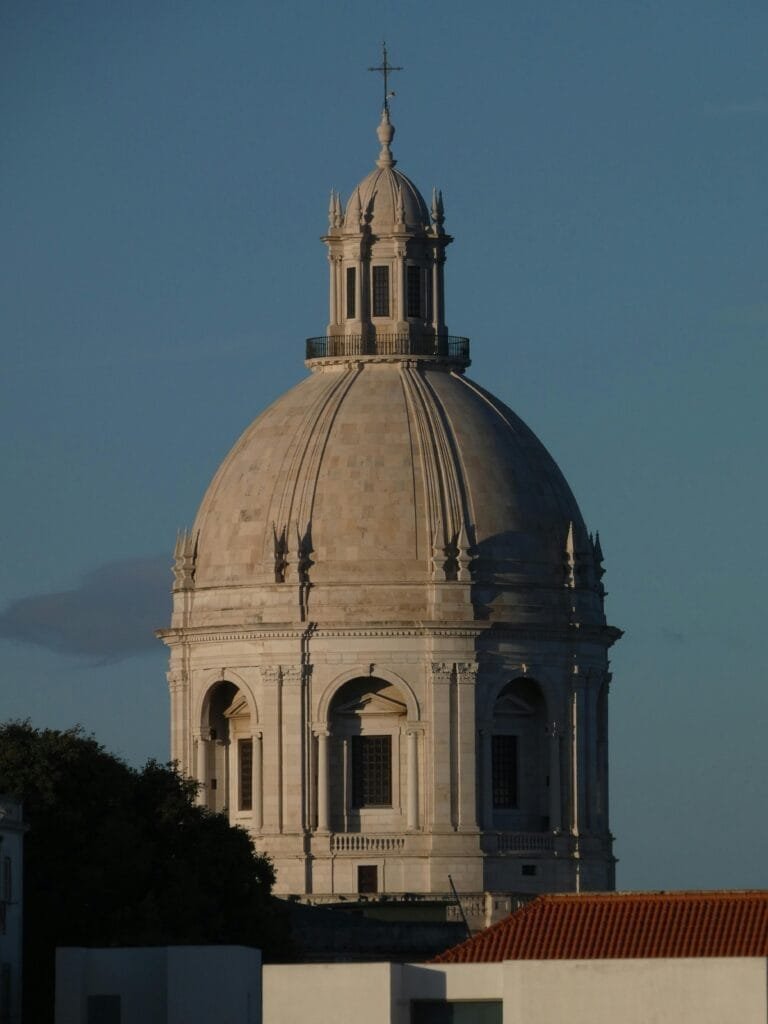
(385, 68)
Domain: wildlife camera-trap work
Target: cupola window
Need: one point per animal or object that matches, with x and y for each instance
(351, 282)
(504, 762)
(245, 768)
(372, 771)
(414, 291)
(381, 291)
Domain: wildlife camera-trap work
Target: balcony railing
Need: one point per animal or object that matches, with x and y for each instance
(356, 842)
(524, 842)
(443, 347)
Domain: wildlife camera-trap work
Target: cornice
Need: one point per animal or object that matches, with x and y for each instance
(570, 633)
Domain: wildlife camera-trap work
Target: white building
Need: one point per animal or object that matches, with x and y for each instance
(670, 958)
(158, 985)
(388, 652)
(12, 829)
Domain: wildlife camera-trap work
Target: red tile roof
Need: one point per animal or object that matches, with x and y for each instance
(592, 926)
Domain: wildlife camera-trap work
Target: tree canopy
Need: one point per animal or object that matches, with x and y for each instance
(118, 856)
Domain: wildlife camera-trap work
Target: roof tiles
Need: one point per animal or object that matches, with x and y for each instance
(605, 926)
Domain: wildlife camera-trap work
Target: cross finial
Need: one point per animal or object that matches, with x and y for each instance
(386, 68)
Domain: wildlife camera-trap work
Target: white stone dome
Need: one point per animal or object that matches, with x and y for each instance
(380, 194)
(376, 477)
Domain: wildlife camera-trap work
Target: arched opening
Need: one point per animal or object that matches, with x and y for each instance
(367, 756)
(225, 761)
(520, 758)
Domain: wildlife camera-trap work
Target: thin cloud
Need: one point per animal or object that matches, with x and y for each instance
(109, 617)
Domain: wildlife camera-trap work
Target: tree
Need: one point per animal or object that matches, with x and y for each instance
(116, 856)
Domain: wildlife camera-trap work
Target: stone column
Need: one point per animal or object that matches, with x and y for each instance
(322, 781)
(293, 748)
(486, 778)
(232, 795)
(258, 792)
(272, 749)
(402, 302)
(466, 674)
(578, 757)
(346, 781)
(201, 767)
(555, 809)
(439, 297)
(333, 316)
(412, 804)
(442, 675)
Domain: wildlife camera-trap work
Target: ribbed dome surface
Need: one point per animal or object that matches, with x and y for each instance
(373, 468)
(379, 193)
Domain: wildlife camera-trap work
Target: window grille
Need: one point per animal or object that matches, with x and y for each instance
(381, 291)
(372, 771)
(245, 767)
(504, 764)
(351, 283)
(414, 291)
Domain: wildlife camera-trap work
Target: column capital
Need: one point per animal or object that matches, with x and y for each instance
(442, 672)
(270, 674)
(466, 672)
(292, 674)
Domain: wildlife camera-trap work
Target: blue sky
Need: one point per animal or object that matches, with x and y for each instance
(165, 169)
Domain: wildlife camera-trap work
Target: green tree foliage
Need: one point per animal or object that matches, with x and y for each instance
(120, 857)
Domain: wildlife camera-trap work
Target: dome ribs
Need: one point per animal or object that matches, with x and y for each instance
(444, 486)
(292, 511)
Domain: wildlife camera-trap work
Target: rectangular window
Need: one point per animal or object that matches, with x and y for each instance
(104, 1010)
(372, 771)
(470, 1011)
(367, 878)
(504, 761)
(429, 315)
(351, 284)
(414, 291)
(381, 291)
(245, 769)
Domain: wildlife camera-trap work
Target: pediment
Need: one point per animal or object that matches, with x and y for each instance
(372, 704)
(238, 707)
(511, 705)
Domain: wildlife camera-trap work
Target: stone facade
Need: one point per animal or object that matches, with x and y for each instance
(388, 646)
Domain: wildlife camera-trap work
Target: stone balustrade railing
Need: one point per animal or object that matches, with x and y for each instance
(524, 842)
(356, 842)
(442, 347)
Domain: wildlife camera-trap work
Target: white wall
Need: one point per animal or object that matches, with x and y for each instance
(328, 993)
(700, 991)
(677, 991)
(162, 985)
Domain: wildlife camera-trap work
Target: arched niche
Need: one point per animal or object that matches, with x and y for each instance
(367, 755)
(520, 758)
(225, 748)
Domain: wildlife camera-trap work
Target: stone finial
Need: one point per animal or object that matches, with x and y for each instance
(184, 558)
(355, 212)
(570, 559)
(399, 208)
(385, 133)
(438, 213)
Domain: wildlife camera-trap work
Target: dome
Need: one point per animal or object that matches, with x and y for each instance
(380, 194)
(385, 197)
(385, 476)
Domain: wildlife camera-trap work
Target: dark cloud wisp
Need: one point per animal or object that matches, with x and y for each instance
(110, 616)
